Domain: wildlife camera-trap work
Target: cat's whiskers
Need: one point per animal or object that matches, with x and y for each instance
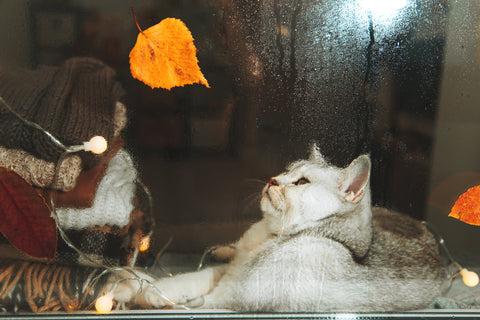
(251, 200)
(259, 181)
(253, 196)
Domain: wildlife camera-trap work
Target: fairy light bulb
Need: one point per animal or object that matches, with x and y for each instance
(104, 304)
(470, 278)
(96, 145)
(144, 244)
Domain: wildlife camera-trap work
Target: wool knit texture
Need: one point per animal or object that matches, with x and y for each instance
(87, 183)
(73, 102)
(106, 245)
(113, 202)
(119, 118)
(41, 173)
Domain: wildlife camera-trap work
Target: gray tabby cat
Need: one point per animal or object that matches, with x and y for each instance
(319, 247)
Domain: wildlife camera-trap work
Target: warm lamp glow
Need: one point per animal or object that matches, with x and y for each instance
(96, 145)
(104, 304)
(470, 278)
(144, 244)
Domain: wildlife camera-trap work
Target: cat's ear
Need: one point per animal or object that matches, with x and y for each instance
(316, 155)
(355, 178)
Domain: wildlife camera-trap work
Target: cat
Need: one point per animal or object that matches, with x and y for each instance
(320, 246)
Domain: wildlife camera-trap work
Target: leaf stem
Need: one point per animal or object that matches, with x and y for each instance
(135, 18)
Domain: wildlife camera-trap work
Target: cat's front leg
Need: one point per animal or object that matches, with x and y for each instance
(183, 288)
(126, 285)
(176, 290)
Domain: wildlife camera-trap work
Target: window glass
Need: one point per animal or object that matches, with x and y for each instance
(185, 167)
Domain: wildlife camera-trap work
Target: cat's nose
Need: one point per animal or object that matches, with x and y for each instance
(272, 182)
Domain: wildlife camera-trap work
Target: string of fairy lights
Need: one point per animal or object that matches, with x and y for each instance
(105, 302)
(98, 145)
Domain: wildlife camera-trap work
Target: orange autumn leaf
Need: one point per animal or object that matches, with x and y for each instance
(467, 207)
(164, 56)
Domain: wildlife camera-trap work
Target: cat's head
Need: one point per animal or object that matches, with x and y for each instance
(311, 190)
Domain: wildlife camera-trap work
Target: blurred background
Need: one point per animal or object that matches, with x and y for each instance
(397, 79)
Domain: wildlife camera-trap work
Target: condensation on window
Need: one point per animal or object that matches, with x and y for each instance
(397, 80)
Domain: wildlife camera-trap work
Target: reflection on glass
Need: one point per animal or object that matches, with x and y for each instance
(393, 79)
(386, 9)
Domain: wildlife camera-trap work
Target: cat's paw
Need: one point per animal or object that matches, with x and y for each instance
(127, 287)
(121, 289)
(166, 292)
(141, 289)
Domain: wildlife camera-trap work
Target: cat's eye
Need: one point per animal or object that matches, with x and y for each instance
(301, 181)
